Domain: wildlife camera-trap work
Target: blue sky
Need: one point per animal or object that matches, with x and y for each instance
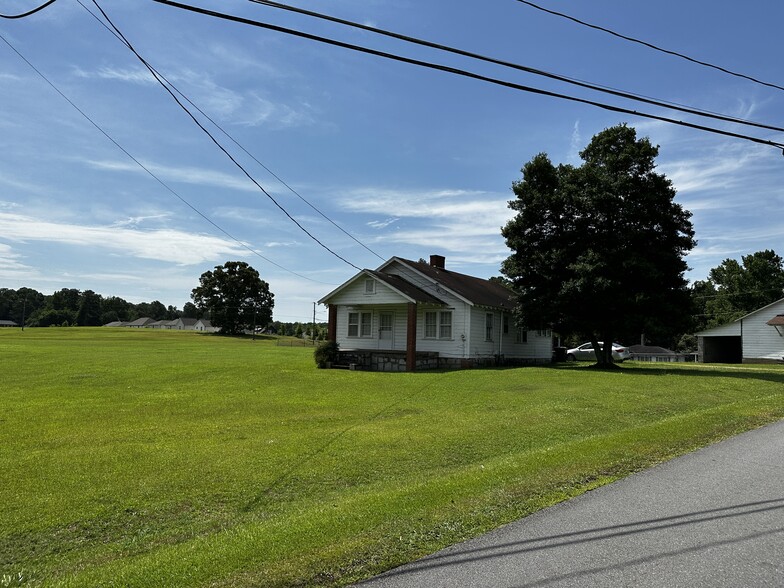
(411, 162)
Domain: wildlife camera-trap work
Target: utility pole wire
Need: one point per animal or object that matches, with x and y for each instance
(523, 68)
(652, 46)
(237, 143)
(465, 73)
(148, 171)
(29, 12)
(217, 143)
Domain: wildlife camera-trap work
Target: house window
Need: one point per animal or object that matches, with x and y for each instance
(522, 335)
(506, 324)
(489, 326)
(445, 324)
(431, 325)
(544, 333)
(366, 324)
(370, 286)
(360, 324)
(438, 324)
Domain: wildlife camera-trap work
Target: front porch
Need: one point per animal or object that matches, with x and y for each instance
(385, 360)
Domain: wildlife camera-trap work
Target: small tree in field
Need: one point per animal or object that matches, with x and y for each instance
(235, 296)
(598, 250)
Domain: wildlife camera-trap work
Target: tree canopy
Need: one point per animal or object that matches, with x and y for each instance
(235, 296)
(598, 250)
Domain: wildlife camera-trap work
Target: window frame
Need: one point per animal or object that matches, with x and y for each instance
(362, 325)
(438, 325)
(489, 326)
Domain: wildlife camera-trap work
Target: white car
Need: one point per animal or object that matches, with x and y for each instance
(585, 352)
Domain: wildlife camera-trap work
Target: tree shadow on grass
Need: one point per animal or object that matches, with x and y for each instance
(739, 371)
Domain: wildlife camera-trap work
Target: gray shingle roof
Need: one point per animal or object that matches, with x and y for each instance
(405, 287)
(478, 291)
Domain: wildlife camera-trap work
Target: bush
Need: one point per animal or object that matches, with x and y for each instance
(326, 352)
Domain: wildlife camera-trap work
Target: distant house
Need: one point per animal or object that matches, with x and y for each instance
(654, 354)
(205, 326)
(409, 315)
(183, 324)
(140, 323)
(157, 325)
(8, 324)
(757, 337)
(116, 324)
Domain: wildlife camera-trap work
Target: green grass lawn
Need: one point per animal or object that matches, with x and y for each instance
(143, 458)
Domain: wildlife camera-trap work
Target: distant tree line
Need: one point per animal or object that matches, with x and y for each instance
(317, 331)
(83, 308)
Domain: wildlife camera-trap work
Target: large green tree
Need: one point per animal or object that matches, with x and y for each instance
(598, 250)
(734, 289)
(235, 296)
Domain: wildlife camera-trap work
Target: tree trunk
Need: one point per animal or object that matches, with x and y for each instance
(604, 351)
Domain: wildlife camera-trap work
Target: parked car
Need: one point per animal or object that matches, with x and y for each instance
(585, 352)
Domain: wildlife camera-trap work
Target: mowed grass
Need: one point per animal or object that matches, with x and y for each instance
(144, 458)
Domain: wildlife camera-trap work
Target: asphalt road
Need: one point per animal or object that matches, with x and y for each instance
(712, 518)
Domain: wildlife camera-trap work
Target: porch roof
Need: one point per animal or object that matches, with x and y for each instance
(407, 289)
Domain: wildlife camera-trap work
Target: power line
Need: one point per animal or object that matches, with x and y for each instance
(148, 171)
(218, 144)
(233, 140)
(652, 46)
(465, 73)
(29, 12)
(523, 68)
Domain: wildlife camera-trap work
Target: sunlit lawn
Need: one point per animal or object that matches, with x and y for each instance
(148, 458)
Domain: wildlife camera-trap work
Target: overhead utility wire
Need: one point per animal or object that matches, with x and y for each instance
(465, 73)
(29, 12)
(652, 46)
(527, 69)
(233, 140)
(148, 171)
(219, 145)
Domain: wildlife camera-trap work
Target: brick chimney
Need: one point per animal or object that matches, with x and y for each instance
(438, 261)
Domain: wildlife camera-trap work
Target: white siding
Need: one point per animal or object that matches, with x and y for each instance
(399, 324)
(537, 346)
(760, 340)
(458, 345)
(355, 294)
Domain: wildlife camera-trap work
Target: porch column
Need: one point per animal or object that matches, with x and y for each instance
(411, 337)
(332, 325)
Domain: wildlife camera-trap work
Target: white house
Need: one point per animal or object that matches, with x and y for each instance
(409, 315)
(205, 326)
(182, 324)
(757, 337)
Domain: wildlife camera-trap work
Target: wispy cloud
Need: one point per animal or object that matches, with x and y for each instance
(163, 244)
(185, 175)
(135, 221)
(464, 223)
(382, 224)
(137, 75)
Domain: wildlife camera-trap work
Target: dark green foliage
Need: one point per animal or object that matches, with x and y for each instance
(20, 305)
(734, 289)
(189, 310)
(326, 352)
(235, 296)
(598, 250)
(89, 314)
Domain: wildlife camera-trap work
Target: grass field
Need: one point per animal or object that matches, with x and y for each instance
(144, 458)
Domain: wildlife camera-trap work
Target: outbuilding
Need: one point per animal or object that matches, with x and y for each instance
(757, 337)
